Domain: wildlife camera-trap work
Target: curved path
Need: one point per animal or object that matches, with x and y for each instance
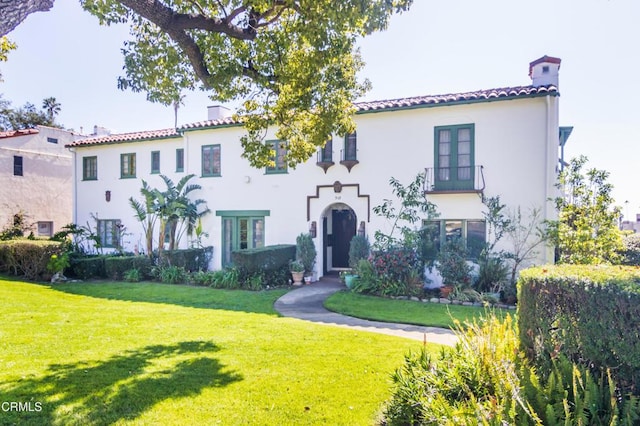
(307, 303)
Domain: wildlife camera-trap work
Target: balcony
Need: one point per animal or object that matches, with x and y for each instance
(324, 161)
(454, 180)
(348, 158)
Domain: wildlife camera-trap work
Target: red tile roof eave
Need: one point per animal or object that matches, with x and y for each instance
(124, 138)
(17, 133)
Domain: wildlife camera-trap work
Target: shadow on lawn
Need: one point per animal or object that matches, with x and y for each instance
(121, 387)
(260, 302)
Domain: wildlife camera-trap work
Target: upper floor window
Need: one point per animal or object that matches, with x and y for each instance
(17, 165)
(279, 158)
(155, 162)
(127, 165)
(179, 160)
(89, 168)
(211, 160)
(326, 152)
(454, 155)
(52, 140)
(351, 147)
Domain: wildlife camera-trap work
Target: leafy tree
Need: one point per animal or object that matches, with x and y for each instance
(6, 46)
(292, 62)
(586, 231)
(27, 117)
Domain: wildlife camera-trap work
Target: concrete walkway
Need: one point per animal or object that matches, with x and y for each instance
(307, 303)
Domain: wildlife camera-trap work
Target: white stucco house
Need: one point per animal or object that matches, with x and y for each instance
(503, 141)
(36, 178)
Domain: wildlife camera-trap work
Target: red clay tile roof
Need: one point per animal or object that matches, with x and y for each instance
(14, 133)
(127, 137)
(489, 95)
(453, 98)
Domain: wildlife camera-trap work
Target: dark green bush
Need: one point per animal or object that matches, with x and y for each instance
(28, 258)
(116, 266)
(359, 248)
(486, 380)
(86, 268)
(193, 259)
(589, 313)
(173, 275)
(270, 262)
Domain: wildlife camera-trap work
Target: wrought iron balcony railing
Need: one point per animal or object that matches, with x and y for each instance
(454, 179)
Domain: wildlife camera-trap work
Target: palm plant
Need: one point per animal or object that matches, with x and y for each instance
(146, 213)
(51, 107)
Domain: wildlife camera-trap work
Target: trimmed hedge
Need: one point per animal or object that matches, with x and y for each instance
(115, 267)
(271, 263)
(589, 313)
(194, 259)
(28, 258)
(86, 268)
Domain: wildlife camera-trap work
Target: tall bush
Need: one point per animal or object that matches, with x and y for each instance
(359, 248)
(590, 313)
(28, 258)
(306, 252)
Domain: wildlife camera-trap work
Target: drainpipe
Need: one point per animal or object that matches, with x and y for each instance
(74, 174)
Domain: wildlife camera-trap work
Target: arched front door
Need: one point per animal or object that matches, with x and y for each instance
(339, 225)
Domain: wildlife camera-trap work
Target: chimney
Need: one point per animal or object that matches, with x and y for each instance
(544, 71)
(218, 112)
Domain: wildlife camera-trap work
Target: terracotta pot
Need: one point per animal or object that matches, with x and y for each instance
(445, 291)
(297, 277)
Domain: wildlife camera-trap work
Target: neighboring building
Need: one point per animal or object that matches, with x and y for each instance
(503, 141)
(628, 225)
(36, 178)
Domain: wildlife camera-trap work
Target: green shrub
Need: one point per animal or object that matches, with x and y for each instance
(86, 268)
(452, 264)
(359, 248)
(193, 259)
(398, 271)
(116, 266)
(306, 252)
(486, 380)
(271, 261)
(132, 275)
(592, 313)
(492, 274)
(28, 258)
(173, 275)
(367, 281)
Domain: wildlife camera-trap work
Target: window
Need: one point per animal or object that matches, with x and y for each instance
(454, 157)
(326, 153)
(89, 168)
(17, 165)
(45, 229)
(127, 166)
(241, 230)
(211, 160)
(472, 232)
(279, 159)
(109, 233)
(155, 161)
(351, 147)
(179, 160)
(52, 140)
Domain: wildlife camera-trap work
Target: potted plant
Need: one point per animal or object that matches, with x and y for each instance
(306, 252)
(297, 271)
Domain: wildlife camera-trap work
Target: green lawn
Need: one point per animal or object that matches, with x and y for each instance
(404, 311)
(113, 353)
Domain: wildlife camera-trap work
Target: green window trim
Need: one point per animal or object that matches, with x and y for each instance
(155, 162)
(241, 229)
(326, 152)
(350, 147)
(179, 160)
(279, 159)
(90, 168)
(211, 160)
(454, 155)
(109, 232)
(128, 166)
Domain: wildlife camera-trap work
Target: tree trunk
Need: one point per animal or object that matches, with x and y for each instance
(13, 12)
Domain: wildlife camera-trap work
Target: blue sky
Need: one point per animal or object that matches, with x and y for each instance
(439, 46)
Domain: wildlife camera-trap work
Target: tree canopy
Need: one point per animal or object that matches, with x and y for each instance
(292, 63)
(27, 116)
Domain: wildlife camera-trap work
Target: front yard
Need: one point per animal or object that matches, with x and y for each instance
(115, 353)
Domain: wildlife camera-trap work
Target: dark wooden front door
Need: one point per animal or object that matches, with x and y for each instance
(344, 228)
